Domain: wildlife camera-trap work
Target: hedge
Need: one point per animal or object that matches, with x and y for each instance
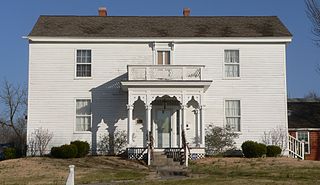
(82, 146)
(273, 151)
(64, 151)
(253, 149)
(9, 153)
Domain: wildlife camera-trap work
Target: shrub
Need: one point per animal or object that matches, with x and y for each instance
(219, 140)
(252, 149)
(64, 151)
(273, 151)
(82, 146)
(112, 144)
(9, 153)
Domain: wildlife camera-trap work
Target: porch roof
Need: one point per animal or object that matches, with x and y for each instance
(166, 83)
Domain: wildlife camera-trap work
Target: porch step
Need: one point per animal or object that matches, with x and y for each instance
(167, 168)
(161, 160)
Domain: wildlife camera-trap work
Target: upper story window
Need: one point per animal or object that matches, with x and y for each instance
(304, 137)
(231, 63)
(163, 57)
(232, 113)
(83, 65)
(83, 115)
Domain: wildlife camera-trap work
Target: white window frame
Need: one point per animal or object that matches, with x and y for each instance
(224, 65)
(225, 115)
(297, 137)
(75, 117)
(167, 46)
(76, 64)
(163, 56)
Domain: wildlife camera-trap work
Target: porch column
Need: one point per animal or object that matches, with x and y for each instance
(174, 133)
(202, 125)
(148, 119)
(130, 108)
(198, 127)
(183, 117)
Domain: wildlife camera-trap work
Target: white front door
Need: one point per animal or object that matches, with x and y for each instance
(163, 128)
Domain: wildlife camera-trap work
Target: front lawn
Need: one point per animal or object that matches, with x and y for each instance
(97, 170)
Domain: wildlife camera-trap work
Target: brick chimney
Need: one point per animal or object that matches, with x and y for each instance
(102, 11)
(186, 12)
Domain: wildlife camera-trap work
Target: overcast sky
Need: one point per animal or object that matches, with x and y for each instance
(17, 18)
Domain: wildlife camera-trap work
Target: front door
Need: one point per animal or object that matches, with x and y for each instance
(163, 128)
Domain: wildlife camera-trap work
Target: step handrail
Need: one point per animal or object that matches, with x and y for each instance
(185, 147)
(296, 148)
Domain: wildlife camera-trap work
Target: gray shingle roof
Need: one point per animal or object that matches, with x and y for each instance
(304, 114)
(159, 26)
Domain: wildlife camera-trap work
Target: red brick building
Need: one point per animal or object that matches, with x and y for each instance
(304, 124)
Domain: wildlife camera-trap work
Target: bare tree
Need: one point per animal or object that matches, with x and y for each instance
(313, 12)
(311, 95)
(277, 136)
(39, 141)
(13, 100)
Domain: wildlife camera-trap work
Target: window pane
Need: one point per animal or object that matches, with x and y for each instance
(303, 136)
(306, 147)
(83, 107)
(160, 58)
(231, 56)
(232, 70)
(83, 123)
(83, 56)
(167, 57)
(232, 108)
(83, 70)
(234, 123)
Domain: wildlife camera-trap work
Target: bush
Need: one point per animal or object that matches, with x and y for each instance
(9, 153)
(82, 146)
(273, 151)
(64, 151)
(253, 149)
(112, 144)
(219, 139)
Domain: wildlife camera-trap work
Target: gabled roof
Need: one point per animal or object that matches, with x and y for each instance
(303, 114)
(159, 26)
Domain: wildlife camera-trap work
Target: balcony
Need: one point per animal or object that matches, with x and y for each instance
(165, 76)
(165, 72)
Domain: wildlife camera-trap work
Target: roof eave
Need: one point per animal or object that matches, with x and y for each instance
(284, 39)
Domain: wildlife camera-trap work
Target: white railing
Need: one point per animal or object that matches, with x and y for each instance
(296, 148)
(165, 72)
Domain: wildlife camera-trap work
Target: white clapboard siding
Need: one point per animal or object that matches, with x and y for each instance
(53, 87)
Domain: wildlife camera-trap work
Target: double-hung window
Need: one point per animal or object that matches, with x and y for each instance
(233, 114)
(83, 115)
(163, 57)
(304, 137)
(231, 64)
(83, 63)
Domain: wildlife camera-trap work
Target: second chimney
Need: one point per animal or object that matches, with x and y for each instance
(186, 12)
(102, 11)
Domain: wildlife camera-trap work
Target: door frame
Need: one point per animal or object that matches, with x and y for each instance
(173, 125)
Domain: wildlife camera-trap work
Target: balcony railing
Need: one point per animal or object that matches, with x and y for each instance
(165, 72)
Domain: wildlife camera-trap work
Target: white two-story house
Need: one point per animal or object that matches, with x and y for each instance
(157, 78)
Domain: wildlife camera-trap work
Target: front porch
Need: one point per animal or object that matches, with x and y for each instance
(166, 110)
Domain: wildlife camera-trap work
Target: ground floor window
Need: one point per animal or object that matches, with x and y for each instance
(232, 114)
(304, 137)
(83, 115)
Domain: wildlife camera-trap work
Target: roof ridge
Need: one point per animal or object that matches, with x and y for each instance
(196, 16)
